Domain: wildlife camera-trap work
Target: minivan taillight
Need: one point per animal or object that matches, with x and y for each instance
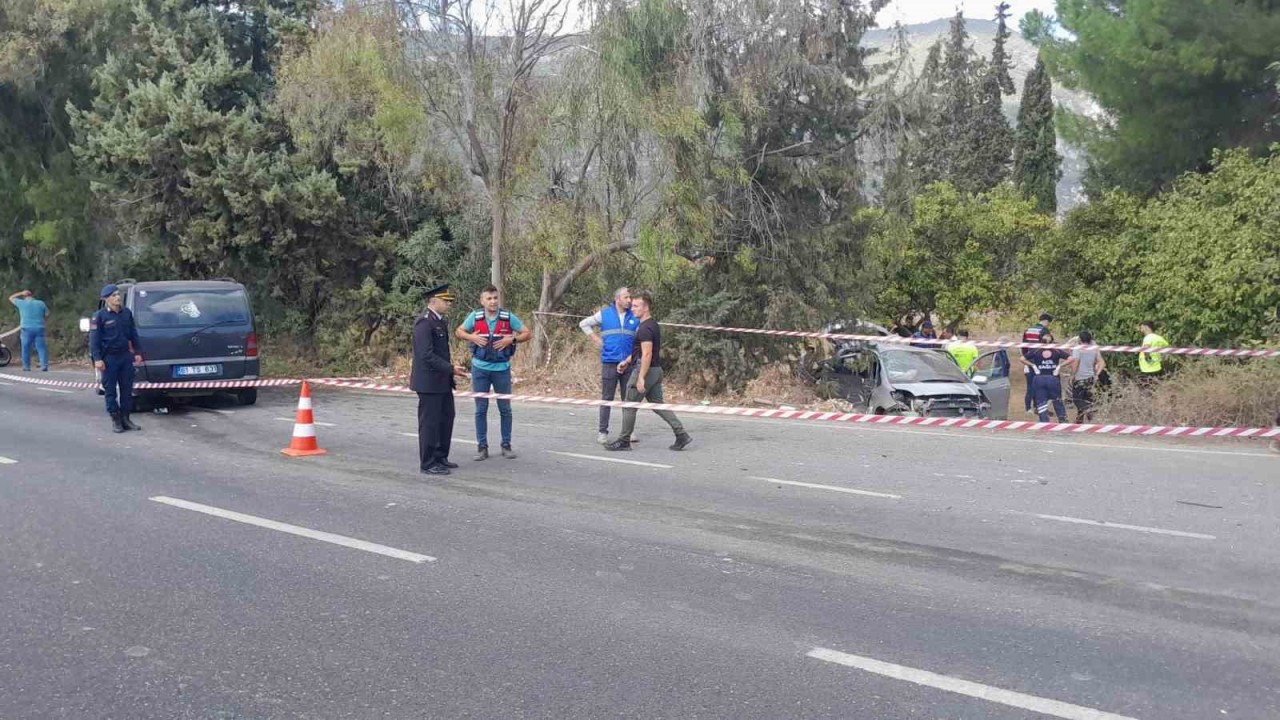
(251, 346)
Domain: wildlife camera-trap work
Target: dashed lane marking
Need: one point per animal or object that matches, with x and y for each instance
(53, 390)
(295, 530)
(619, 461)
(1120, 526)
(7, 461)
(1044, 706)
(832, 488)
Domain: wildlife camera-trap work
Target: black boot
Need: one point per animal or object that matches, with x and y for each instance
(128, 424)
(117, 425)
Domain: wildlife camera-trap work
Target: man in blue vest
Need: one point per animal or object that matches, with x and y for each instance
(115, 348)
(616, 341)
(492, 333)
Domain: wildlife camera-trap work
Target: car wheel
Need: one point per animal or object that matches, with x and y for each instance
(247, 397)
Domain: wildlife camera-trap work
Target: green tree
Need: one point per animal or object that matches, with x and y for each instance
(1000, 63)
(200, 175)
(1202, 258)
(51, 232)
(1037, 166)
(1176, 79)
(955, 257)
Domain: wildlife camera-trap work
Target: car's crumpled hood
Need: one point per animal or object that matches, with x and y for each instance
(927, 390)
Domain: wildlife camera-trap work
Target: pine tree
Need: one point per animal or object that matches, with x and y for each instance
(999, 55)
(948, 78)
(988, 139)
(1037, 167)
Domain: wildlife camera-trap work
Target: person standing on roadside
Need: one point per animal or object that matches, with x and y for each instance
(1149, 363)
(926, 332)
(432, 377)
(962, 350)
(115, 349)
(1046, 366)
(617, 325)
(1034, 334)
(32, 314)
(1088, 368)
(646, 380)
(492, 333)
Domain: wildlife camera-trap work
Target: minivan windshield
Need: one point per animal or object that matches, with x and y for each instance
(190, 308)
(903, 366)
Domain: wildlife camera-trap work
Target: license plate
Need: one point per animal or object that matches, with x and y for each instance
(193, 370)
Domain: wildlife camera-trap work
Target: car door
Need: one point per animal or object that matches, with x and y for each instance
(990, 373)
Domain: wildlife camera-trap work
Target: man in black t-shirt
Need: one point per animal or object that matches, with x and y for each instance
(646, 379)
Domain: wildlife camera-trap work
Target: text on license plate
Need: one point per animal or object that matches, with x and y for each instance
(190, 370)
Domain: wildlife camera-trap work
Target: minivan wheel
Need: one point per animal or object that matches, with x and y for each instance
(247, 397)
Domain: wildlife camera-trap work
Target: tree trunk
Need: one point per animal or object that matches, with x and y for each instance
(542, 338)
(499, 214)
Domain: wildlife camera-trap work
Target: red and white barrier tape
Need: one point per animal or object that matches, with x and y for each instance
(773, 414)
(1209, 352)
(819, 416)
(184, 385)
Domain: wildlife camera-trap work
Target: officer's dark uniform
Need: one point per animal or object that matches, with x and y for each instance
(111, 335)
(432, 378)
(1046, 385)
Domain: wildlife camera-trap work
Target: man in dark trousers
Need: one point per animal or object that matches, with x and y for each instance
(114, 346)
(645, 382)
(433, 379)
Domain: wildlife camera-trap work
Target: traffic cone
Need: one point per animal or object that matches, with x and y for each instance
(304, 429)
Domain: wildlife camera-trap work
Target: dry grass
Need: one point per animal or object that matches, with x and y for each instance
(1203, 393)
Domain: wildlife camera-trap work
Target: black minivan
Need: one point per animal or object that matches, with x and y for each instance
(193, 330)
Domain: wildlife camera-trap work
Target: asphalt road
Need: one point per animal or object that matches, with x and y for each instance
(774, 570)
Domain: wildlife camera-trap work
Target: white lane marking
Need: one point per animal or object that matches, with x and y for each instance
(313, 422)
(53, 390)
(1121, 526)
(1045, 706)
(833, 488)
(7, 461)
(5, 383)
(296, 530)
(412, 435)
(612, 460)
(220, 412)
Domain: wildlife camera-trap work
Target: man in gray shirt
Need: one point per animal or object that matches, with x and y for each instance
(1089, 366)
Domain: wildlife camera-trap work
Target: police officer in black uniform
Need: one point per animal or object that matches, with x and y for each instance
(112, 336)
(433, 379)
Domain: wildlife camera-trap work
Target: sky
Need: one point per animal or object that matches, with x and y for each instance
(918, 11)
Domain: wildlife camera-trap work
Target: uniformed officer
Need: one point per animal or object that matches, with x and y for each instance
(1046, 366)
(433, 379)
(115, 348)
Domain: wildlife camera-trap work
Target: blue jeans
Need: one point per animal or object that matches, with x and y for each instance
(34, 338)
(498, 381)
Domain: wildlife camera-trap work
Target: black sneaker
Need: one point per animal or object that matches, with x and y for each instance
(618, 444)
(508, 453)
(447, 464)
(116, 425)
(683, 440)
(436, 470)
(482, 453)
(128, 424)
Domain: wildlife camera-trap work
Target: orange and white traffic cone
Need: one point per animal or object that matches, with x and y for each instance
(304, 429)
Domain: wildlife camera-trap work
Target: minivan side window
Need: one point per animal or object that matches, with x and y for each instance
(190, 308)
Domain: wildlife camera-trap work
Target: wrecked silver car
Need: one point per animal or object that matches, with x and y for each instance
(890, 379)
